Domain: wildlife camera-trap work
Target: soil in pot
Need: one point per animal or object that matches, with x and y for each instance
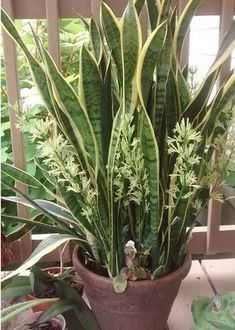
(145, 305)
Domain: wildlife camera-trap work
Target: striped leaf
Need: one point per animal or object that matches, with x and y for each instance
(22, 176)
(75, 208)
(148, 61)
(46, 246)
(183, 26)
(151, 160)
(163, 69)
(90, 92)
(111, 28)
(33, 204)
(107, 115)
(173, 106)
(29, 224)
(95, 40)
(131, 43)
(68, 101)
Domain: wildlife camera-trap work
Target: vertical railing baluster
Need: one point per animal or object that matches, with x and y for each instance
(22, 248)
(215, 207)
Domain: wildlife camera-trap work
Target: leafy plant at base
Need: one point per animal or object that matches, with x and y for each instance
(132, 158)
(216, 313)
(66, 299)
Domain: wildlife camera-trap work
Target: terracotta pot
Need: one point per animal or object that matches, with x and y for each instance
(49, 271)
(145, 305)
(60, 320)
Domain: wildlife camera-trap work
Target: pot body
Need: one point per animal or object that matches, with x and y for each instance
(33, 317)
(145, 305)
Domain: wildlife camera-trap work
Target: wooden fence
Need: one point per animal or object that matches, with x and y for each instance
(210, 239)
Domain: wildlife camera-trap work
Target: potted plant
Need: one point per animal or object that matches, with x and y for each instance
(132, 159)
(44, 283)
(55, 296)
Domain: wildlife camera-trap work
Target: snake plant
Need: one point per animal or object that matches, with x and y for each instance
(131, 155)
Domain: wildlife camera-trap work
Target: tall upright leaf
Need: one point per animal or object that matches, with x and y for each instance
(151, 158)
(111, 28)
(148, 61)
(95, 40)
(163, 69)
(90, 93)
(131, 43)
(183, 25)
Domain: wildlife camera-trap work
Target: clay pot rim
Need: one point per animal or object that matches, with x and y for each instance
(180, 272)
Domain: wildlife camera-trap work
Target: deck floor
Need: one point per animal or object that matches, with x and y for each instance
(202, 278)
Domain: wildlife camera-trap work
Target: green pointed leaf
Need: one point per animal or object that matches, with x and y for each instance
(148, 61)
(38, 207)
(24, 177)
(114, 140)
(163, 69)
(29, 225)
(90, 89)
(151, 160)
(107, 115)
(68, 100)
(183, 26)
(95, 40)
(131, 42)
(173, 108)
(111, 28)
(75, 207)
